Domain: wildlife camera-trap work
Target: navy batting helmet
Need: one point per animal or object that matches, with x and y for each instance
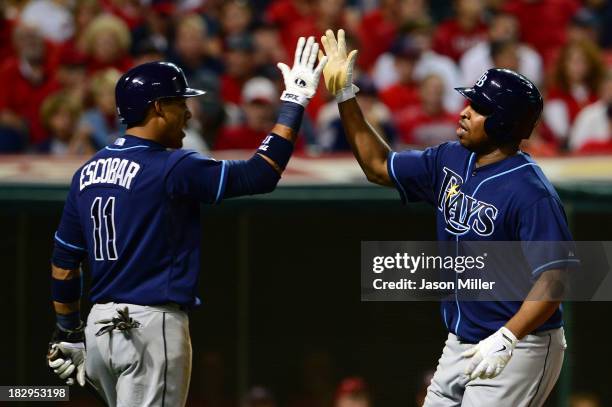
(511, 102)
(146, 83)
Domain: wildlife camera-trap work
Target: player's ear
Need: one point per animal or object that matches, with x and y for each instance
(157, 108)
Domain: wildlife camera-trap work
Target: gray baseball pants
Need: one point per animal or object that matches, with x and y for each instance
(149, 365)
(526, 381)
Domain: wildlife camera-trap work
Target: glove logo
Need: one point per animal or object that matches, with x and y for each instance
(503, 348)
(300, 82)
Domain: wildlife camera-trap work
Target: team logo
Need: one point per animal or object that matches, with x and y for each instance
(482, 80)
(463, 212)
(300, 82)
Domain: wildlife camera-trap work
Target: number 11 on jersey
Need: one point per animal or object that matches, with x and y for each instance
(104, 213)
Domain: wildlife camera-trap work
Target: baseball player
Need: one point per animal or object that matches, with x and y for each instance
(133, 209)
(483, 188)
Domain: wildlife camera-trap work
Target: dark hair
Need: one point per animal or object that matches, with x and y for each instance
(596, 70)
(498, 47)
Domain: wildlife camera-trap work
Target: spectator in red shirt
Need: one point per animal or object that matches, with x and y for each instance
(503, 27)
(404, 92)
(577, 77)
(260, 98)
(71, 74)
(284, 14)
(27, 80)
(328, 14)
(380, 27)
(543, 23)
(428, 62)
(592, 125)
(456, 35)
(428, 123)
(239, 67)
(107, 43)
(236, 17)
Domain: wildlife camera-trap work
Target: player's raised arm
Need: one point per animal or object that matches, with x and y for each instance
(261, 173)
(369, 148)
(301, 82)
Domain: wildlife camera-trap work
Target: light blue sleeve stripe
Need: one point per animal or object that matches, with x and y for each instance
(68, 244)
(550, 263)
(222, 181)
(124, 149)
(401, 187)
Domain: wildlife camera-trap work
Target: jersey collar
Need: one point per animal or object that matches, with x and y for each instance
(508, 162)
(130, 141)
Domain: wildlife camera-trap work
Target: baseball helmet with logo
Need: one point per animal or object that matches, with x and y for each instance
(511, 102)
(146, 83)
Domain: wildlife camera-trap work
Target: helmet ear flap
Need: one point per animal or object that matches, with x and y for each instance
(498, 128)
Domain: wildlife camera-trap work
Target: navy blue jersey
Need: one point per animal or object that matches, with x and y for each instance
(509, 200)
(134, 208)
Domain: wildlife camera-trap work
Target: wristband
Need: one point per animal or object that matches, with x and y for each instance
(294, 98)
(69, 321)
(66, 291)
(345, 94)
(276, 148)
(290, 115)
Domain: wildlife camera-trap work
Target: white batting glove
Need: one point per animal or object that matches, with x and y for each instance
(302, 80)
(491, 355)
(67, 357)
(338, 72)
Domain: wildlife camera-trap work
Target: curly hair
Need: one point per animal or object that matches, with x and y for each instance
(54, 103)
(107, 22)
(596, 66)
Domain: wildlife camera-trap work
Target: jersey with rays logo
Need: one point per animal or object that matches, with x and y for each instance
(134, 210)
(509, 200)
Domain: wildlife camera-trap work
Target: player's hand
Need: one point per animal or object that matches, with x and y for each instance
(66, 355)
(302, 80)
(338, 73)
(491, 355)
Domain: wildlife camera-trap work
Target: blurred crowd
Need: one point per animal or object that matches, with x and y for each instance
(60, 60)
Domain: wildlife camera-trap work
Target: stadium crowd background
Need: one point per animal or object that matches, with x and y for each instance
(60, 60)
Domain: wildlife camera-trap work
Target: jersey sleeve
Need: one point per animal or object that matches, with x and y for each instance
(69, 238)
(193, 175)
(546, 240)
(413, 172)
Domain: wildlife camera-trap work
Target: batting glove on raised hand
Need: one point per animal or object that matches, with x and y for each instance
(66, 354)
(338, 73)
(491, 355)
(302, 80)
